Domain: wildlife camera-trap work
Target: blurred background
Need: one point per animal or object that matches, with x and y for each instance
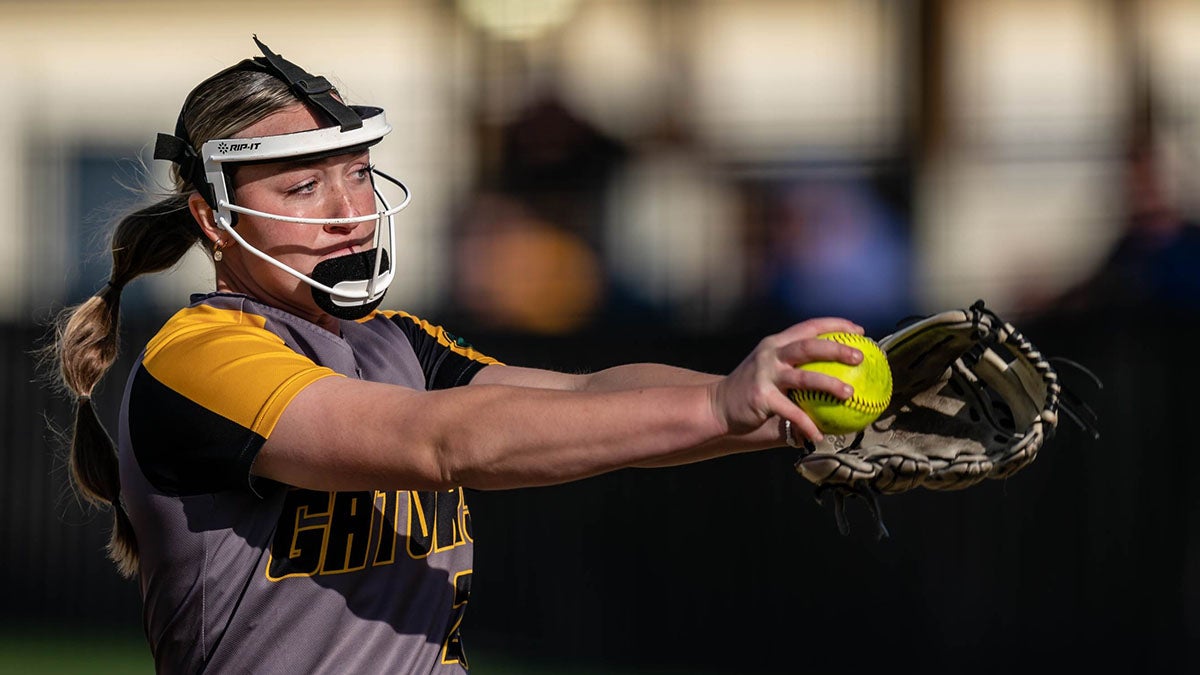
(604, 181)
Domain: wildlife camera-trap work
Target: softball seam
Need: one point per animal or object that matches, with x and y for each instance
(854, 402)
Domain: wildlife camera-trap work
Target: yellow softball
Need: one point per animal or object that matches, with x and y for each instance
(871, 379)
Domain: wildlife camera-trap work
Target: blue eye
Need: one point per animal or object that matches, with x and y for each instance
(306, 187)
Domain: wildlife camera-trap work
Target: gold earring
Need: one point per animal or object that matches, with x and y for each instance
(217, 250)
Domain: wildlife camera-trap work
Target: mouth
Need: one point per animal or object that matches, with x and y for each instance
(356, 276)
(348, 248)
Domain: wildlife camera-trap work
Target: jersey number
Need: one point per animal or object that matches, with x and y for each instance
(452, 650)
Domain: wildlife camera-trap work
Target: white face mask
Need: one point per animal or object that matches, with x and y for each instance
(349, 286)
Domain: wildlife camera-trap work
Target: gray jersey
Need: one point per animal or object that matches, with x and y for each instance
(242, 574)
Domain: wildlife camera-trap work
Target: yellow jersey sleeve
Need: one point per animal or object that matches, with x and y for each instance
(209, 391)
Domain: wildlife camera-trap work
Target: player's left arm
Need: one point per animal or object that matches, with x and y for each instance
(625, 377)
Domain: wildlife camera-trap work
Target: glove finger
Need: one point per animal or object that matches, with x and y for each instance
(843, 468)
(887, 469)
(900, 471)
(960, 472)
(1019, 456)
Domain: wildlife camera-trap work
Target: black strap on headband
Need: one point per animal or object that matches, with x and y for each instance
(177, 149)
(314, 90)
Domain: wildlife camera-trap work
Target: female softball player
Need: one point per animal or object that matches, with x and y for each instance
(288, 472)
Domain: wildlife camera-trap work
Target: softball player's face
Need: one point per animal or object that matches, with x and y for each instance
(331, 187)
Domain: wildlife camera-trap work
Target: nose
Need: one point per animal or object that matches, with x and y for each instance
(344, 202)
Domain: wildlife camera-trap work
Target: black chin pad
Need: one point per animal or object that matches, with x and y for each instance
(352, 267)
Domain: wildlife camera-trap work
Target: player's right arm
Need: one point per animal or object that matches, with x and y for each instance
(344, 434)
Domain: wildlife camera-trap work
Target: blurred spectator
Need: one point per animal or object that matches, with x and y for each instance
(1156, 261)
(518, 272)
(525, 255)
(835, 248)
(556, 164)
(672, 246)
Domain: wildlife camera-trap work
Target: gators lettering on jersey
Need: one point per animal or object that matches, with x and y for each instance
(245, 574)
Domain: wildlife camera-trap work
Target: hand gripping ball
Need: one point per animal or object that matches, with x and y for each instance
(871, 379)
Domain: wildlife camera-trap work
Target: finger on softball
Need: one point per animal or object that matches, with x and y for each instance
(815, 327)
(807, 380)
(802, 424)
(816, 349)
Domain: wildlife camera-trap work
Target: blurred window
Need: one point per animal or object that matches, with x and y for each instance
(95, 200)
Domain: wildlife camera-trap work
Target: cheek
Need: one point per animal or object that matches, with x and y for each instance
(364, 201)
(277, 238)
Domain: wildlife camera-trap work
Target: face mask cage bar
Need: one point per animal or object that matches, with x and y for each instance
(346, 293)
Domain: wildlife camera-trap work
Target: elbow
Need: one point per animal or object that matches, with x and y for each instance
(446, 475)
(448, 467)
(449, 475)
(456, 471)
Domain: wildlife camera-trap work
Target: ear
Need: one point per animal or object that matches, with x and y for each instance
(203, 214)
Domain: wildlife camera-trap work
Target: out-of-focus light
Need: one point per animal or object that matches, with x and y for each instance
(616, 70)
(517, 19)
(1026, 77)
(672, 238)
(774, 80)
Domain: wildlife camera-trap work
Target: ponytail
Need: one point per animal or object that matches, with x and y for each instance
(149, 240)
(146, 241)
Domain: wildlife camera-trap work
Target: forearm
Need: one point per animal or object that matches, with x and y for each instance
(552, 437)
(640, 375)
(636, 375)
(649, 374)
(617, 443)
(769, 435)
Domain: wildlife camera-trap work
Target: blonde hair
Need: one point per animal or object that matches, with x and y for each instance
(148, 240)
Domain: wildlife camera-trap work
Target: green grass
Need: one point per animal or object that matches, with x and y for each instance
(44, 651)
